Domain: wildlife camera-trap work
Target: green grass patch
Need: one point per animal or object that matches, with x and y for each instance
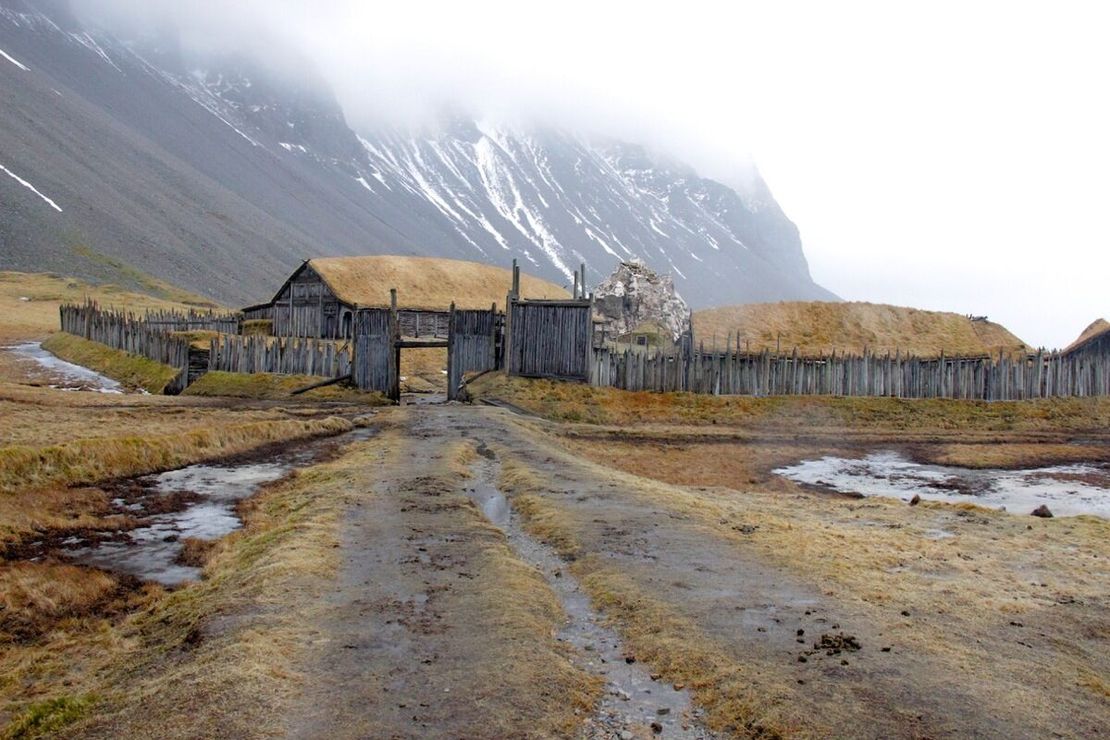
(48, 717)
(274, 386)
(133, 371)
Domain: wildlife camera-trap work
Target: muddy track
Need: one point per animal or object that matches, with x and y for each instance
(410, 645)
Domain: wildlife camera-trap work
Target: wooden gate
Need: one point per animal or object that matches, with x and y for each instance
(549, 339)
(374, 367)
(471, 345)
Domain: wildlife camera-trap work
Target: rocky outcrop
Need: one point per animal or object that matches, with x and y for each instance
(635, 296)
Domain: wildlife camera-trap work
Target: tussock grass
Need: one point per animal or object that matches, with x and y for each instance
(38, 417)
(152, 662)
(31, 478)
(816, 327)
(90, 460)
(576, 402)
(34, 596)
(273, 386)
(133, 371)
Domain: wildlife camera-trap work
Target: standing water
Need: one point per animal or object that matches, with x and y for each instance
(64, 375)
(1067, 490)
(633, 704)
(152, 551)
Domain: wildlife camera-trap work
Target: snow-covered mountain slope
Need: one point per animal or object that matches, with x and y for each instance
(221, 175)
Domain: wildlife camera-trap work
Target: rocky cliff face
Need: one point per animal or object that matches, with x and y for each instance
(220, 174)
(635, 296)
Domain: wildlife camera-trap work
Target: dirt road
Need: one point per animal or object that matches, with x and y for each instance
(440, 626)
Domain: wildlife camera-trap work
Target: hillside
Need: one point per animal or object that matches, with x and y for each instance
(221, 175)
(428, 282)
(29, 301)
(816, 327)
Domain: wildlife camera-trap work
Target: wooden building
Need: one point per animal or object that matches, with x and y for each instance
(320, 298)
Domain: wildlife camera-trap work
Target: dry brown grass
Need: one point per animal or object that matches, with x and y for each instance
(87, 461)
(41, 416)
(820, 328)
(878, 557)
(654, 632)
(426, 282)
(1011, 455)
(34, 596)
(272, 576)
(575, 402)
(260, 386)
(37, 316)
(37, 484)
(149, 665)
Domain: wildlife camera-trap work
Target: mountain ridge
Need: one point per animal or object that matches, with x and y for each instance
(222, 176)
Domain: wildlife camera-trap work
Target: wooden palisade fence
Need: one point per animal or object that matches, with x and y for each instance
(129, 333)
(225, 323)
(1043, 375)
(288, 356)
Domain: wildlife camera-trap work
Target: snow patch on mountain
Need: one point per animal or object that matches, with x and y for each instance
(14, 61)
(32, 188)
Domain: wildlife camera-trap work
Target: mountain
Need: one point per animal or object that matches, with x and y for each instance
(220, 174)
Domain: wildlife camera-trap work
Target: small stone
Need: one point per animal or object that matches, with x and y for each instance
(905, 612)
(1042, 511)
(801, 632)
(843, 662)
(803, 659)
(679, 686)
(885, 650)
(625, 735)
(1016, 624)
(630, 659)
(915, 500)
(663, 711)
(656, 676)
(656, 728)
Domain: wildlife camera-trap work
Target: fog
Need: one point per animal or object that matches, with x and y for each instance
(948, 156)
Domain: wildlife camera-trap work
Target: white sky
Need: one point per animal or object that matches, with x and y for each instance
(944, 155)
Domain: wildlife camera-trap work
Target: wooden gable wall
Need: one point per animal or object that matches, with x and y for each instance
(306, 307)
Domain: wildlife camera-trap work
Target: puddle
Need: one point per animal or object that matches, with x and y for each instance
(1067, 490)
(632, 701)
(151, 551)
(61, 374)
(423, 399)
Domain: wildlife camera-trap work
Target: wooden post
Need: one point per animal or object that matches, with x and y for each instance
(575, 293)
(452, 386)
